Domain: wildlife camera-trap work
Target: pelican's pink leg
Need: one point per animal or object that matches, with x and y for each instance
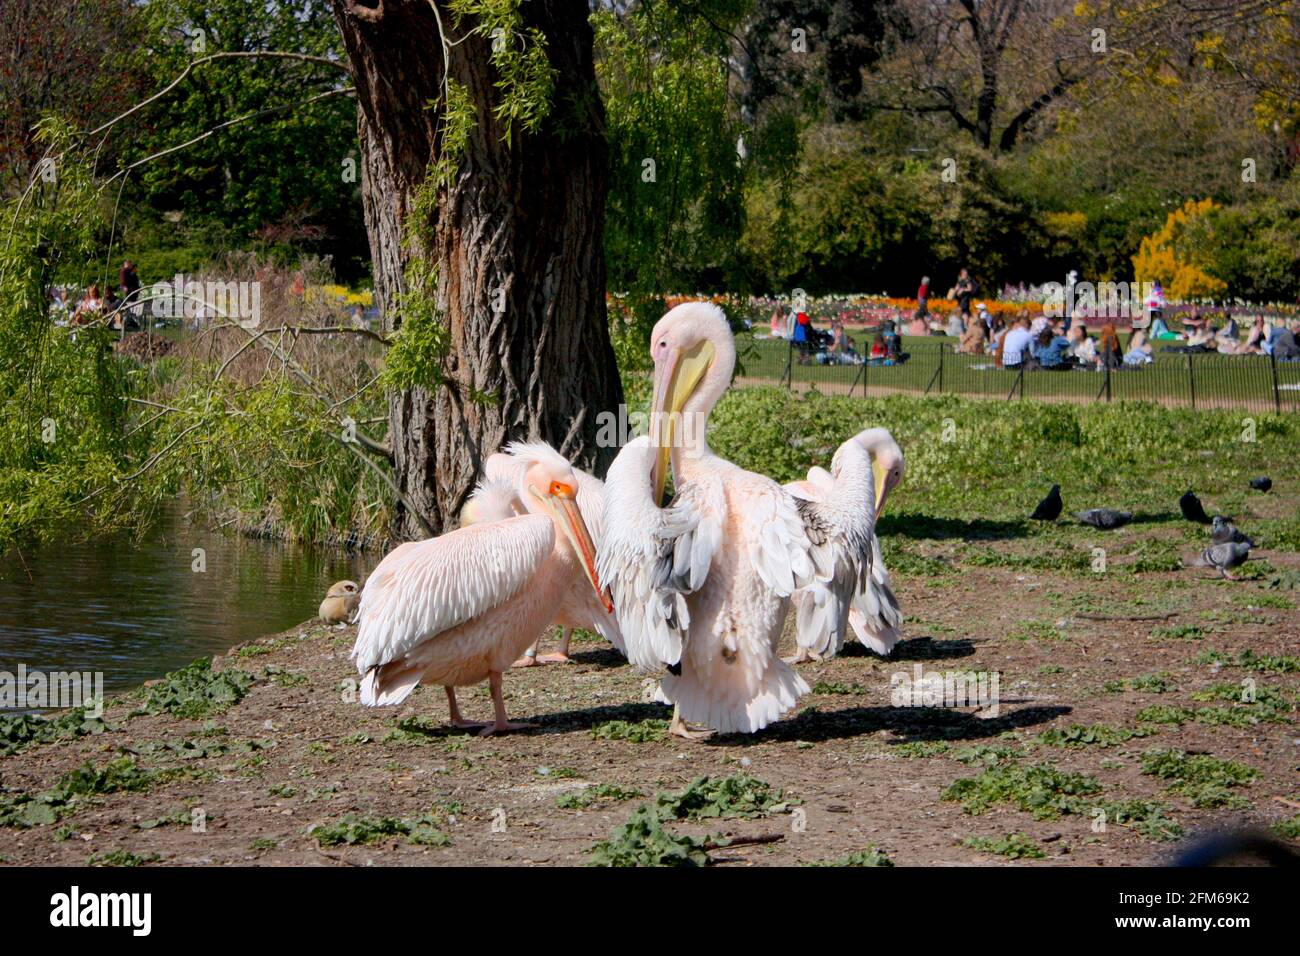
(501, 725)
(530, 656)
(680, 728)
(802, 657)
(456, 719)
(561, 656)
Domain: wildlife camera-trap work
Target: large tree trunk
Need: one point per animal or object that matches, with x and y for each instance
(520, 225)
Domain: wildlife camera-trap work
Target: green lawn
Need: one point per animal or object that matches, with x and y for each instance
(1220, 381)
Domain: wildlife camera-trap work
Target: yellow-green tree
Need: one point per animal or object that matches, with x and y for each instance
(1174, 258)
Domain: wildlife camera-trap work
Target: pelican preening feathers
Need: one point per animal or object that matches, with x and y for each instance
(459, 608)
(695, 591)
(703, 586)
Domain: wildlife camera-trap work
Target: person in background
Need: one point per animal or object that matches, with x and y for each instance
(965, 290)
(128, 283)
(1155, 304)
(1051, 349)
(1200, 333)
(957, 328)
(1139, 350)
(90, 307)
(1071, 280)
(918, 324)
(1286, 344)
(1015, 346)
(1082, 347)
(1109, 352)
(1160, 332)
(1255, 338)
(997, 329)
(974, 341)
(113, 308)
(778, 322)
(802, 336)
(923, 298)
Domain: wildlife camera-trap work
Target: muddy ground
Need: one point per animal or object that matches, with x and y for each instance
(1071, 647)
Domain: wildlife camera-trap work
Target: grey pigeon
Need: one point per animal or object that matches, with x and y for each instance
(1105, 518)
(1049, 509)
(1223, 531)
(1261, 484)
(1222, 557)
(1192, 508)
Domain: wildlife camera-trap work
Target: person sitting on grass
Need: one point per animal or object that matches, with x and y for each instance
(918, 326)
(1286, 346)
(1160, 332)
(1051, 349)
(1014, 348)
(1082, 347)
(1256, 337)
(1139, 350)
(90, 307)
(956, 328)
(974, 341)
(1109, 353)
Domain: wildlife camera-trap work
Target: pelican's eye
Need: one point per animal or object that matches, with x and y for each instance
(560, 490)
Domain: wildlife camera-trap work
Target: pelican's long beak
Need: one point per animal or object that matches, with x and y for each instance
(575, 529)
(675, 381)
(881, 475)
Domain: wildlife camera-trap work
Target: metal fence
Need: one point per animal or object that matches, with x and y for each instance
(1183, 380)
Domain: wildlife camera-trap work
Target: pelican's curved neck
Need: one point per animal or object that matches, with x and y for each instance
(694, 443)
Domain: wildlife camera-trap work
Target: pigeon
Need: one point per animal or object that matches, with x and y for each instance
(1105, 518)
(1222, 557)
(1223, 531)
(1049, 509)
(1261, 484)
(1192, 508)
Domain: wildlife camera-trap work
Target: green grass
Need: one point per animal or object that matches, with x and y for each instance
(351, 829)
(740, 796)
(600, 793)
(639, 732)
(1243, 381)
(1014, 846)
(17, 732)
(1204, 780)
(1100, 735)
(196, 690)
(872, 856)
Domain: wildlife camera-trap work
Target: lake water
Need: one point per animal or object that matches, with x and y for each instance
(136, 609)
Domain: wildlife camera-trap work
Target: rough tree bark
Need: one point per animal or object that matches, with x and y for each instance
(521, 224)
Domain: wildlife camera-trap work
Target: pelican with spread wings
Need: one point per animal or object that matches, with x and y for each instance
(702, 587)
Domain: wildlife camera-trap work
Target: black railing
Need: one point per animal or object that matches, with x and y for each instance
(1193, 380)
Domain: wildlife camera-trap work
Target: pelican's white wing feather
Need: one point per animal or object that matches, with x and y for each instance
(840, 524)
(423, 588)
(875, 617)
(651, 557)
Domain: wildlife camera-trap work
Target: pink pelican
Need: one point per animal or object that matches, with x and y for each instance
(581, 607)
(459, 608)
(702, 588)
(874, 613)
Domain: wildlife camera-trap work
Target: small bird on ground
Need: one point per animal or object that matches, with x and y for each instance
(1263, 483)
(1223, 531)
(1049, 509)
(341, 603)
(1192, 508)
(1105, 518)
(1222, 557)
